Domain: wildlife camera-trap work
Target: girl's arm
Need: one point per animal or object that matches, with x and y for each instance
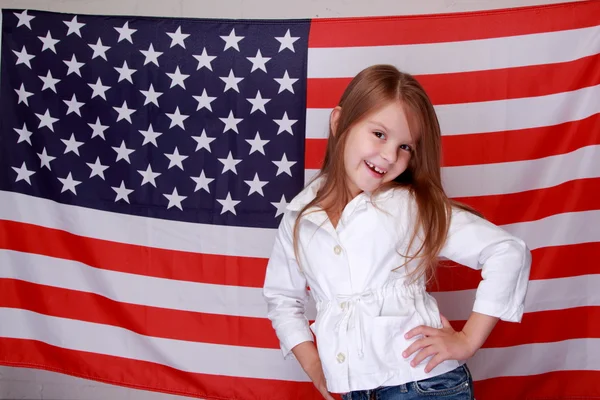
(505, 262)
(308, 357)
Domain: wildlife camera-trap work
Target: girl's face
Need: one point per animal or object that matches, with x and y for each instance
(378, 148)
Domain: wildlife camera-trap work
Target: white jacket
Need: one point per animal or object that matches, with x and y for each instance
(363, 308)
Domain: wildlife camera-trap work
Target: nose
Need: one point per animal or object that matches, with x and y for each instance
(389, 153)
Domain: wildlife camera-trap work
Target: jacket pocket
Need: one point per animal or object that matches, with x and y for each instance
(450, 383)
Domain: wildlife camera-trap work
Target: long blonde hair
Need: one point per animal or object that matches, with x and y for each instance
(369, 90)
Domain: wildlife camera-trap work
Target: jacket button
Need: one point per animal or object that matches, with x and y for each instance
(337, 250)
(341, 357)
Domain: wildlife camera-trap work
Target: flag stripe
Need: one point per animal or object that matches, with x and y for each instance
(544, 327)
(216, 359)
(498, 147)
(134, 259)
(146, 375)
(494, 116)
(381, 31)
(553, 385)
(244, 302)
(477, 86)
(548, 263)
(450, 57)
(143, 320)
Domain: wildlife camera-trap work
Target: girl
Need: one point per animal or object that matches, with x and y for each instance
(365, 235)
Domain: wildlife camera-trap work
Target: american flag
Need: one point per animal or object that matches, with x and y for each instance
(145, 164)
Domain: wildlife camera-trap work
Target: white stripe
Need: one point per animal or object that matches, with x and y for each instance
(493, 116)
(131, 229)
(543, 295)
(516, 176)
(536, 358)
(215, 359)
(449, 57)
(521, 176)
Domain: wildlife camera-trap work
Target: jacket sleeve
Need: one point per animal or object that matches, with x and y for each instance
(285, 292)
(504, 260)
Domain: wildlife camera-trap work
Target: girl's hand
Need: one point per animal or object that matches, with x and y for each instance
(443, 344)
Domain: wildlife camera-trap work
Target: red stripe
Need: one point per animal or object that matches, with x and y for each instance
(146, 375)
(144, 320)
(544, 327)
(498, 147)
(416, 29)
(547, 263)
(478, 86)
(571, 196)
(561, 385)
(134, 259)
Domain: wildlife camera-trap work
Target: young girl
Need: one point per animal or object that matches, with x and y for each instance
(365, 236)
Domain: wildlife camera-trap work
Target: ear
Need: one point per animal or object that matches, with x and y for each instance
(334, 119)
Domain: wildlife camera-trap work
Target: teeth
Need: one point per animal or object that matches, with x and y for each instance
(375, 168)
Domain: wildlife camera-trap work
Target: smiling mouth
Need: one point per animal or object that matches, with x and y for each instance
(375, 169)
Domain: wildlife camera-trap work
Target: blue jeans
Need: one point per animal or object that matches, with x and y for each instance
(453, 385)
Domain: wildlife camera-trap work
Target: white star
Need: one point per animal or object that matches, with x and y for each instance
(257, 144)
(24, 19)
(23, 57)
(280, 206)
(204, 60)
(49, 82)
(125, 33)
(122, 192)
(99, 49)
(202, 182)
(125, 72)
(287, 42)
(229, 163)
(150, 136)
(177, 78)
(23, 95)
(231, 122)
(23, 173)
(259, 61)
(284, 166)
(177, 37)
(123, 152)
(74, 26)
(256, 185)
(228, 204)
(177, 118)
(204, 101)
(74, 105)
(148, 176)
(98, 89)
(74, 66)
(231, 82)
(151, 55)
(285, 124)
(124, 112)
(49, 42)
(98, 129)
(175, 199)
(176, 159)
(151, 95)
(232, 40)
(46, 120)
(24, 134)
(45, 159)
(286, 83)
(72, 144)
(258, 103)
(97, 168)
(203, 141)
(69, 184)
